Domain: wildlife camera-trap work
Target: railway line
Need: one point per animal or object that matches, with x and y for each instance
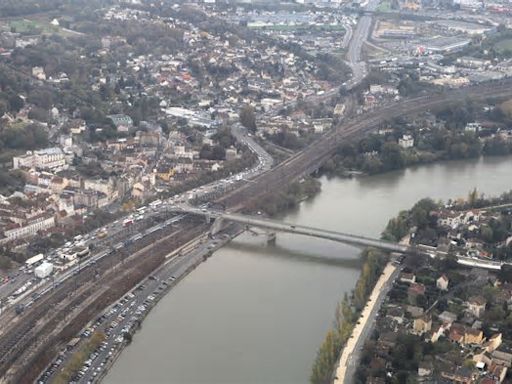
(311, 158)
(30, 339)
(37, 331)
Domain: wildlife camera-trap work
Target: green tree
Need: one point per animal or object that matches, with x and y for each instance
(248, 118)
(392, 157)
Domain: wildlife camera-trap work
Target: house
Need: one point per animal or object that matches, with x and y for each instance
(407, 278)
(396, 314)
(476, 305)
(502, 357)
(339, 109)
(460, 375)
(493, 343)
(76, 126)
(38, 73)
(123, 123)
(414, 291)
(473, 127)
(438, 331)
(422, 324)
(406, 141)
(138, 190)
(414, 311)
(442, 283)
(473, 336)
(425, 368)
(449, 219)
(456, 334)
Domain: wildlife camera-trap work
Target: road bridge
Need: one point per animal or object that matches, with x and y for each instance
(274, 225)
(346, 238)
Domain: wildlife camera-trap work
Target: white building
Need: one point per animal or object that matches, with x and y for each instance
(406, 141)
(31, 228)
(44, 270)
(48, 158)
(473, 127)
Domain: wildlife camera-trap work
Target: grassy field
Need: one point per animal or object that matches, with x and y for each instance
(504, 45)
(32, 26)
(384, 6)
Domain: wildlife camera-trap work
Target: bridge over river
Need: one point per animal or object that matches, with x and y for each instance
(346, 238)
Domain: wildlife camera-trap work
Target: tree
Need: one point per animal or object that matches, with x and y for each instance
(505, 273)
(248, 118)
(16, 103)
(472, 197)
(326, 359)
(392, 157)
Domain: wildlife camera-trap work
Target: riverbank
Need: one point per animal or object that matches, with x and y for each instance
(350, 160)
(349, 314)
(284, 201)
(362, 328)
(163, 274)
(256, 313)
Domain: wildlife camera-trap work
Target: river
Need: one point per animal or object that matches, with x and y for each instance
(255, 313)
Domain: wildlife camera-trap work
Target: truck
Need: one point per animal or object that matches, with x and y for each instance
(44, 270)
(127, 222)
(155, 203)
(34, 259)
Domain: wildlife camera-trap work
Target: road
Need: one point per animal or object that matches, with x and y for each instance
(126, 314)
(358, 38)
(350, 355)
(258, 221)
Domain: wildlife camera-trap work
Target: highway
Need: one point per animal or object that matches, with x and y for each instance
(358, 38)
(82, 276)
(264, 180)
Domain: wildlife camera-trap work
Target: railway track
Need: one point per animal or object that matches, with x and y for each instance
(24, 340)
(310, 159)
(33, 330)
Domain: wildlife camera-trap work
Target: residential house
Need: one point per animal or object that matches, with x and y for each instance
(502, 357)
(456, 334)
(442, 283)
(461, 375)
(422, 324)
(493, 343)
(123, 123)
(476, 305)
(473, 336)
(439, 330)
(425, 368)
(407, 278)
(414, 291)
(406, 141)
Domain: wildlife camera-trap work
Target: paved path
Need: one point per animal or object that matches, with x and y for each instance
(349, 358)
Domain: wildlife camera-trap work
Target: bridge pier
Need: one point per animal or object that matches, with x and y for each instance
(269, 235)
(217, 226)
